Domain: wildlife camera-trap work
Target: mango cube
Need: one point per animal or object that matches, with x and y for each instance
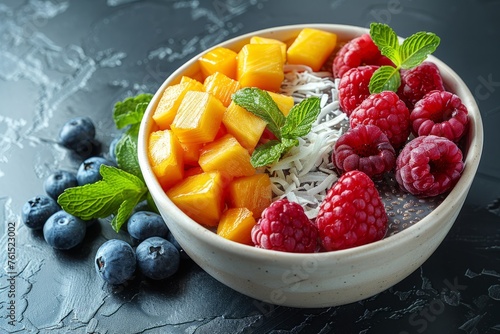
(170, 101)
(200, 197)
(284, 102)
(227, 156)
(261, 65)
(264, 40)
(251, 192)
(198, 118)
(191, 153)
(221, 86)
(246, 127)
(312, 47)
(166, 157)
(221, 60)
(236, 224)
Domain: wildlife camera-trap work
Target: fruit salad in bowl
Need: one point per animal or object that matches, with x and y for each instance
(311, 165)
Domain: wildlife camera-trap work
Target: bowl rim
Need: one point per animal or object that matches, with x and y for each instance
(424, 226)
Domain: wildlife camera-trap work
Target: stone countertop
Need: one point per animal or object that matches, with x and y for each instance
(65, 58)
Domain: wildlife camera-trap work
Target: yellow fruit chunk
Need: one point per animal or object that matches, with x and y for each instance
(243, 125)
(221, 60)
(198, 118)
(261, 65)
(221, 86)
(227, 156)
(236, 224)
(200, 197)
(191, 153)
(166, 157)
(312, 47)
(194, 81)
(251, 192)
(284, 102)
(170, 101)
(264, 40)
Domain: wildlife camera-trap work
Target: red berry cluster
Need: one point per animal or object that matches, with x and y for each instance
(420, 107)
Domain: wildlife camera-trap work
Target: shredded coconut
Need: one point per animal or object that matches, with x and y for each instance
(305, 173)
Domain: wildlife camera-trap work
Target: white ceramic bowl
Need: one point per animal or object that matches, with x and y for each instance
(320, 279)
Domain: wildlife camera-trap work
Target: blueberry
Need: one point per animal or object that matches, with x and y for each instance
(171, 238)
(58, 181)
(88, 172)
(157, 258)
(144, 224)
(112, 148)
(63, 230)
(78, 134)
(37, 210)
(115, 261)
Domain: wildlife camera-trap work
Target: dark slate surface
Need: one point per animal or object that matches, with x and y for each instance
(60, 59)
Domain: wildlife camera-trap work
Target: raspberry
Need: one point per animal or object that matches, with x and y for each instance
(357, 52)
(285, 227)
(388, 112)
(429, 166)
(354, 87)
(418, 81)
(365, 148)
(440, 113)
(352, 214)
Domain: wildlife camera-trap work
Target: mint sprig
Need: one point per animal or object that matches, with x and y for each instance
(287, 129)
(409, 54)
(116, 194)
(122, 188)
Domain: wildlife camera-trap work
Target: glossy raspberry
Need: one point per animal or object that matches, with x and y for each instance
(429, 166)
(285, 227)
(352, 214)
(353, 87)
(388, 112)
(440, 113)
(365, 148)
(357, 52)
(418, 81)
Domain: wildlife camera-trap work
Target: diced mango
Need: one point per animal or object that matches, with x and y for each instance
(170, 100)
(166, 157)
(227, 156)
(284, 102)
(264, 40)
(312, 47)
(221, 86)
(198, 118)
(246, 127)
(194, 81)
(236, 224)
(192, 171)
(221, 60)
(251, 192)
(191, 153)
(261, 65)
(200, 197)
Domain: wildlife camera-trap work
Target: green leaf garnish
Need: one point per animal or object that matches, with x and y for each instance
(301, 117)
(261, 104)
(131, 110)
(117, 193)
(287, 130)
(412, 52)
(126, 153)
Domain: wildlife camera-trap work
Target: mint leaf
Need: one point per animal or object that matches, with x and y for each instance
(131, 110)
(126, 153)
(416, 48)
(386, 40)
(105, 197)
(266, 154)
(299, 121)
(271, 152)
(385, 78)
(260, 103)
